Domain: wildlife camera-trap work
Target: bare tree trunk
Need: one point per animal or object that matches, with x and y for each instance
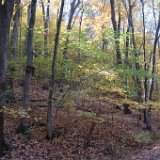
(144, 53)
(29, 71)
(155, 23)
(46, 26)
(14, 36)
(80, 31)
(147, 115)
(74, 6)
(154, 58)
(53, 76)
(46, 32)
(127, 47)
(127, 37)
(20, 34)
(136, 65)
(28, 21)
(116, 28)
(6, 11)
(148, 119)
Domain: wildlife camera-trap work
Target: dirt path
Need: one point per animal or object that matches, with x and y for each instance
(148, 154)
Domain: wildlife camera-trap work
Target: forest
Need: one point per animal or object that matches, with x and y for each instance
(80, 79)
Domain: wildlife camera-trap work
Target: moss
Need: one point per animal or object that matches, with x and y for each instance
(143, 137)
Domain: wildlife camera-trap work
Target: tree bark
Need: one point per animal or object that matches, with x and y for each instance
(29, 71)
(154, 58)
(136, 64)
(74, 5)
(116, 28)
(155, 23)
(144, 53)
(14, 36)
(46, 26)
(28, 21)
(80, 31)
(149, 119)
(53, 76)
(6, 11)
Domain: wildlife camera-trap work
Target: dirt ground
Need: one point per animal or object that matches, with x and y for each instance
(78, 135)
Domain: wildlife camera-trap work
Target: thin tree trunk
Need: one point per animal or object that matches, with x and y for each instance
(149, 119)
(73, 8)
(28, 21)
(53, 76)
(6, 11)
(46, 26)
(155, 23)
(154, 58)
(14, 36)
(146, 118)
(116, 28)
(20, 35)
(144, 53)
(127, 47)
(46, 32)
(80, 31)
(136, 65)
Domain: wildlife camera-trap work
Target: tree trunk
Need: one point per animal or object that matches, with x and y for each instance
(116, 28)
(29, 71)
(28, 21)
(53, 76)
(73, 8)
(46, 26)
(20, 34)
(154, 58)
(144, 53)
(127, 47)
(155, 23)
(14, 36)
(46, 32)
(80, 31)
(6, 11)
(136, 64)
(148, 119)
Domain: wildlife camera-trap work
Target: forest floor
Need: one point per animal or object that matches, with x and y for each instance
(111, 135)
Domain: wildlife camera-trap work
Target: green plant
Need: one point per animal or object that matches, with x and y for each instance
(143, 137)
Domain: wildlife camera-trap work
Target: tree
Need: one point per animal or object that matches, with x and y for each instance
(80, 31)
(53, 74)
(133, 45)
(14, 36)
(6, 11)
(155, 23)
(46, 26)
(73, 6)
(144, 52)
(28, 21)
(116, 28)
(29, 71)
(154, 58)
